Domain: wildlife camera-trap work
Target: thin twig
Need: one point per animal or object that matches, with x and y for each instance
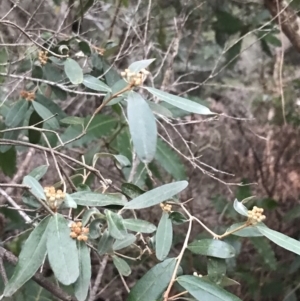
(98, 279)
(26, 218)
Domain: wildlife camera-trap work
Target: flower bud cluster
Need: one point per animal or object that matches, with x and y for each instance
(197, 275)
(78, 232)
(30, 96)
(54, 198)
(43, 57)
(135, 78)
(256, 215)
(166, 207)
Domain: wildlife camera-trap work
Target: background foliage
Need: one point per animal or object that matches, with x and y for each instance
(156, 173)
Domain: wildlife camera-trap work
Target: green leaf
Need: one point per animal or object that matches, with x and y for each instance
(240, 208)
(73, 120)
(73, 71)
(124, 243)
(152, 285)
(227, 23)
(30, 259)
(121, 160)
(51, 106)
(111, 75)
(117, 87)
(163, 237)
(100, 126)
(84, 46)
(159, 109)
(115, 224)
(8, 161)
(131, 190)
(138, 225)
(62, 251)
(216, 269)
(250, 231)
(36, 187)
(105, 243)
(11, 135)
(139, 65)
(33, 135)
(16, 113)
(69, 202)
(37, 72)
(96, 84)
(46, 114)
(180, 102)
(280, 239)
(95, 228)
(156, 196)
(177, 218)
(212, 247)
(88, 198)
(202, 289)
(81, 286)
(38, 172)
(121, 265)
(169, 160)
(87, 215)
(262, 245)
(142, 126)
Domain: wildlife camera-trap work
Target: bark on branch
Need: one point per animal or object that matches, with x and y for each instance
(287, 19)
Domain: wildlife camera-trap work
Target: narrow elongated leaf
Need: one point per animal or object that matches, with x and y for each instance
(105, 243)
(87, 215)
(121, 160)
(8, 161)
(121, 265)
(163, 237)
(95, 84)
(124, 243)
(139, 65)
(16, 113)
(69, 202)
(212, 247)
(159, 109)
(262, 245)
(53, 107)
(38, 172)
(216, 269)
(142, 126)
(157, 195)
(62, 251)
(152, 285)
(30, 259)
(240, 208)
(131, 190)
(36, 187)
(250, 231)
(116, 226)
(88, 198)
(169, 160)
(73, 120)
(81, 286)
(180, 102)
(46, 114)
(280, 239)
(139, 225)
(73, 71)
(202, 289)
